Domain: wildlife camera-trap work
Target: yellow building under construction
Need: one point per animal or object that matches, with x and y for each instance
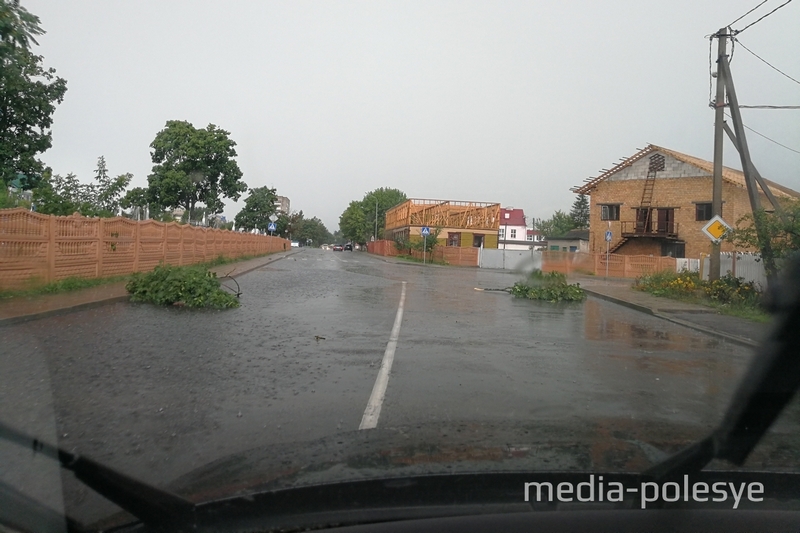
(459, 223)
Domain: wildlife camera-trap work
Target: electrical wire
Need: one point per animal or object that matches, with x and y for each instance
(743, 16)
(710, 70)
(770, 106)
(767, 62)
(737, 32)
(767, 138)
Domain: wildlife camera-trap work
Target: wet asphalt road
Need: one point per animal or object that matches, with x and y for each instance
(159, 392)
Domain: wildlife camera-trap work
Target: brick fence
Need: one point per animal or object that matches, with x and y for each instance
(452, 255)
(619, 266)
(37, 249)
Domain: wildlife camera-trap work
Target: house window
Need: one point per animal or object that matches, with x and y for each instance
(530, 237)
(501, 233)
(513, 233)
(609, 212)
(702, 211)
(454, 239)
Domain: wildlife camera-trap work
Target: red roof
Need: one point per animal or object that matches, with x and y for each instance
(512, 217)
(533, 232)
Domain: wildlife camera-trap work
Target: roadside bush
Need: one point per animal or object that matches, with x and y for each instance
(688, 285)
(551, 286)
(732, 290)
(191, 286)
(670, 284)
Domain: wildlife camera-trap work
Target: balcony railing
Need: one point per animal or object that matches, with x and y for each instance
(653, 228)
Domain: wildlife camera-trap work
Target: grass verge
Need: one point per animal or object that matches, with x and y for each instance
(728, 295)
(417, 260)
(74, 284)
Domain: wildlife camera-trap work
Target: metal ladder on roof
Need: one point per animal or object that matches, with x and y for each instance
(656, 164)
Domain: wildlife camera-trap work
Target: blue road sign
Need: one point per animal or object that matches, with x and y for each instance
(608, 235)
(272, 226)
(425, 231)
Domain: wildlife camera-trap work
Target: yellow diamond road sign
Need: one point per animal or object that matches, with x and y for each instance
(716, 228)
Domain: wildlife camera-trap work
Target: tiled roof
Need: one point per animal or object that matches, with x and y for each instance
(516, 217)
(730, 175)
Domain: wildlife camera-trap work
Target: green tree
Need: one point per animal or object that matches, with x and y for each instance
(358, 222)
(17, 27)
(556, 226)
(57, 195)
(427, 244)
(781, 229)
(194, 166)
(352, 223)
(580, 212)
(107, 191)
(28, 97)
(313, 231)
(137, 201)
(258, 207)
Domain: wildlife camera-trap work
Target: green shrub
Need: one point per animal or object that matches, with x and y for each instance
(732, 290)
(688, 285)
(670, 284)
(191, 286)
(551, 286)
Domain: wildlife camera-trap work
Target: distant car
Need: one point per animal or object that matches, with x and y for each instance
(295, 244)
(338, 248)
(348, 247)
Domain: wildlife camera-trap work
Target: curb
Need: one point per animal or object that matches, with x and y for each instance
(113, 299)
(742, 341)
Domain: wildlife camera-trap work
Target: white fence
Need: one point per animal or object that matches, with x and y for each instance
(742, 265)
(520, 260)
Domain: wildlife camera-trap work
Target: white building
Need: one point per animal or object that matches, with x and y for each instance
(513, 231)
(535, 239)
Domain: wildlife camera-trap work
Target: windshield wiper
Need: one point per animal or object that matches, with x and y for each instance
(151, 505)
(768, 385)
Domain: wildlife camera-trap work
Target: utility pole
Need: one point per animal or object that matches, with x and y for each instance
(751, 176)
(719, 132)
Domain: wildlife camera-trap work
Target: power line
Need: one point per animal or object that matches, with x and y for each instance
(767, 138)
(770, 106)
(743, 16)
(737, 32)
(767, 62)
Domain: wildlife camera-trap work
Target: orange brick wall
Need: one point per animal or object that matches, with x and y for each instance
(678, 193)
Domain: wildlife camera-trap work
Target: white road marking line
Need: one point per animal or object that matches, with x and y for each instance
(373, 410)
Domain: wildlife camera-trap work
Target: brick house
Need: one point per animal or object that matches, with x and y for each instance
(656, 202)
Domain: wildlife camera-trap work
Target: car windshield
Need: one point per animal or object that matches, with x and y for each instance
(521, 281)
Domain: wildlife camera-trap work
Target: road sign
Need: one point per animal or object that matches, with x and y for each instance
(608, 235)
(716, 228)
(273, 218)
(272, 227)
(425, 231)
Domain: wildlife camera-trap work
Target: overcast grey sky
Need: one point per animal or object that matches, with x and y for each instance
(511, 102)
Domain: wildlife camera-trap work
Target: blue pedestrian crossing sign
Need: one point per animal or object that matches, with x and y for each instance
(272, 227)
(608, 235)
(425, 231)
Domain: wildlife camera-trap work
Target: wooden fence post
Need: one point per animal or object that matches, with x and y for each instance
(625, 265)
(180, 256)
(137, 239)
(100, 251)
(50, 274)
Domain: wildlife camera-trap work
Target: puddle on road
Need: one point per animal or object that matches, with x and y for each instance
(603, 323)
